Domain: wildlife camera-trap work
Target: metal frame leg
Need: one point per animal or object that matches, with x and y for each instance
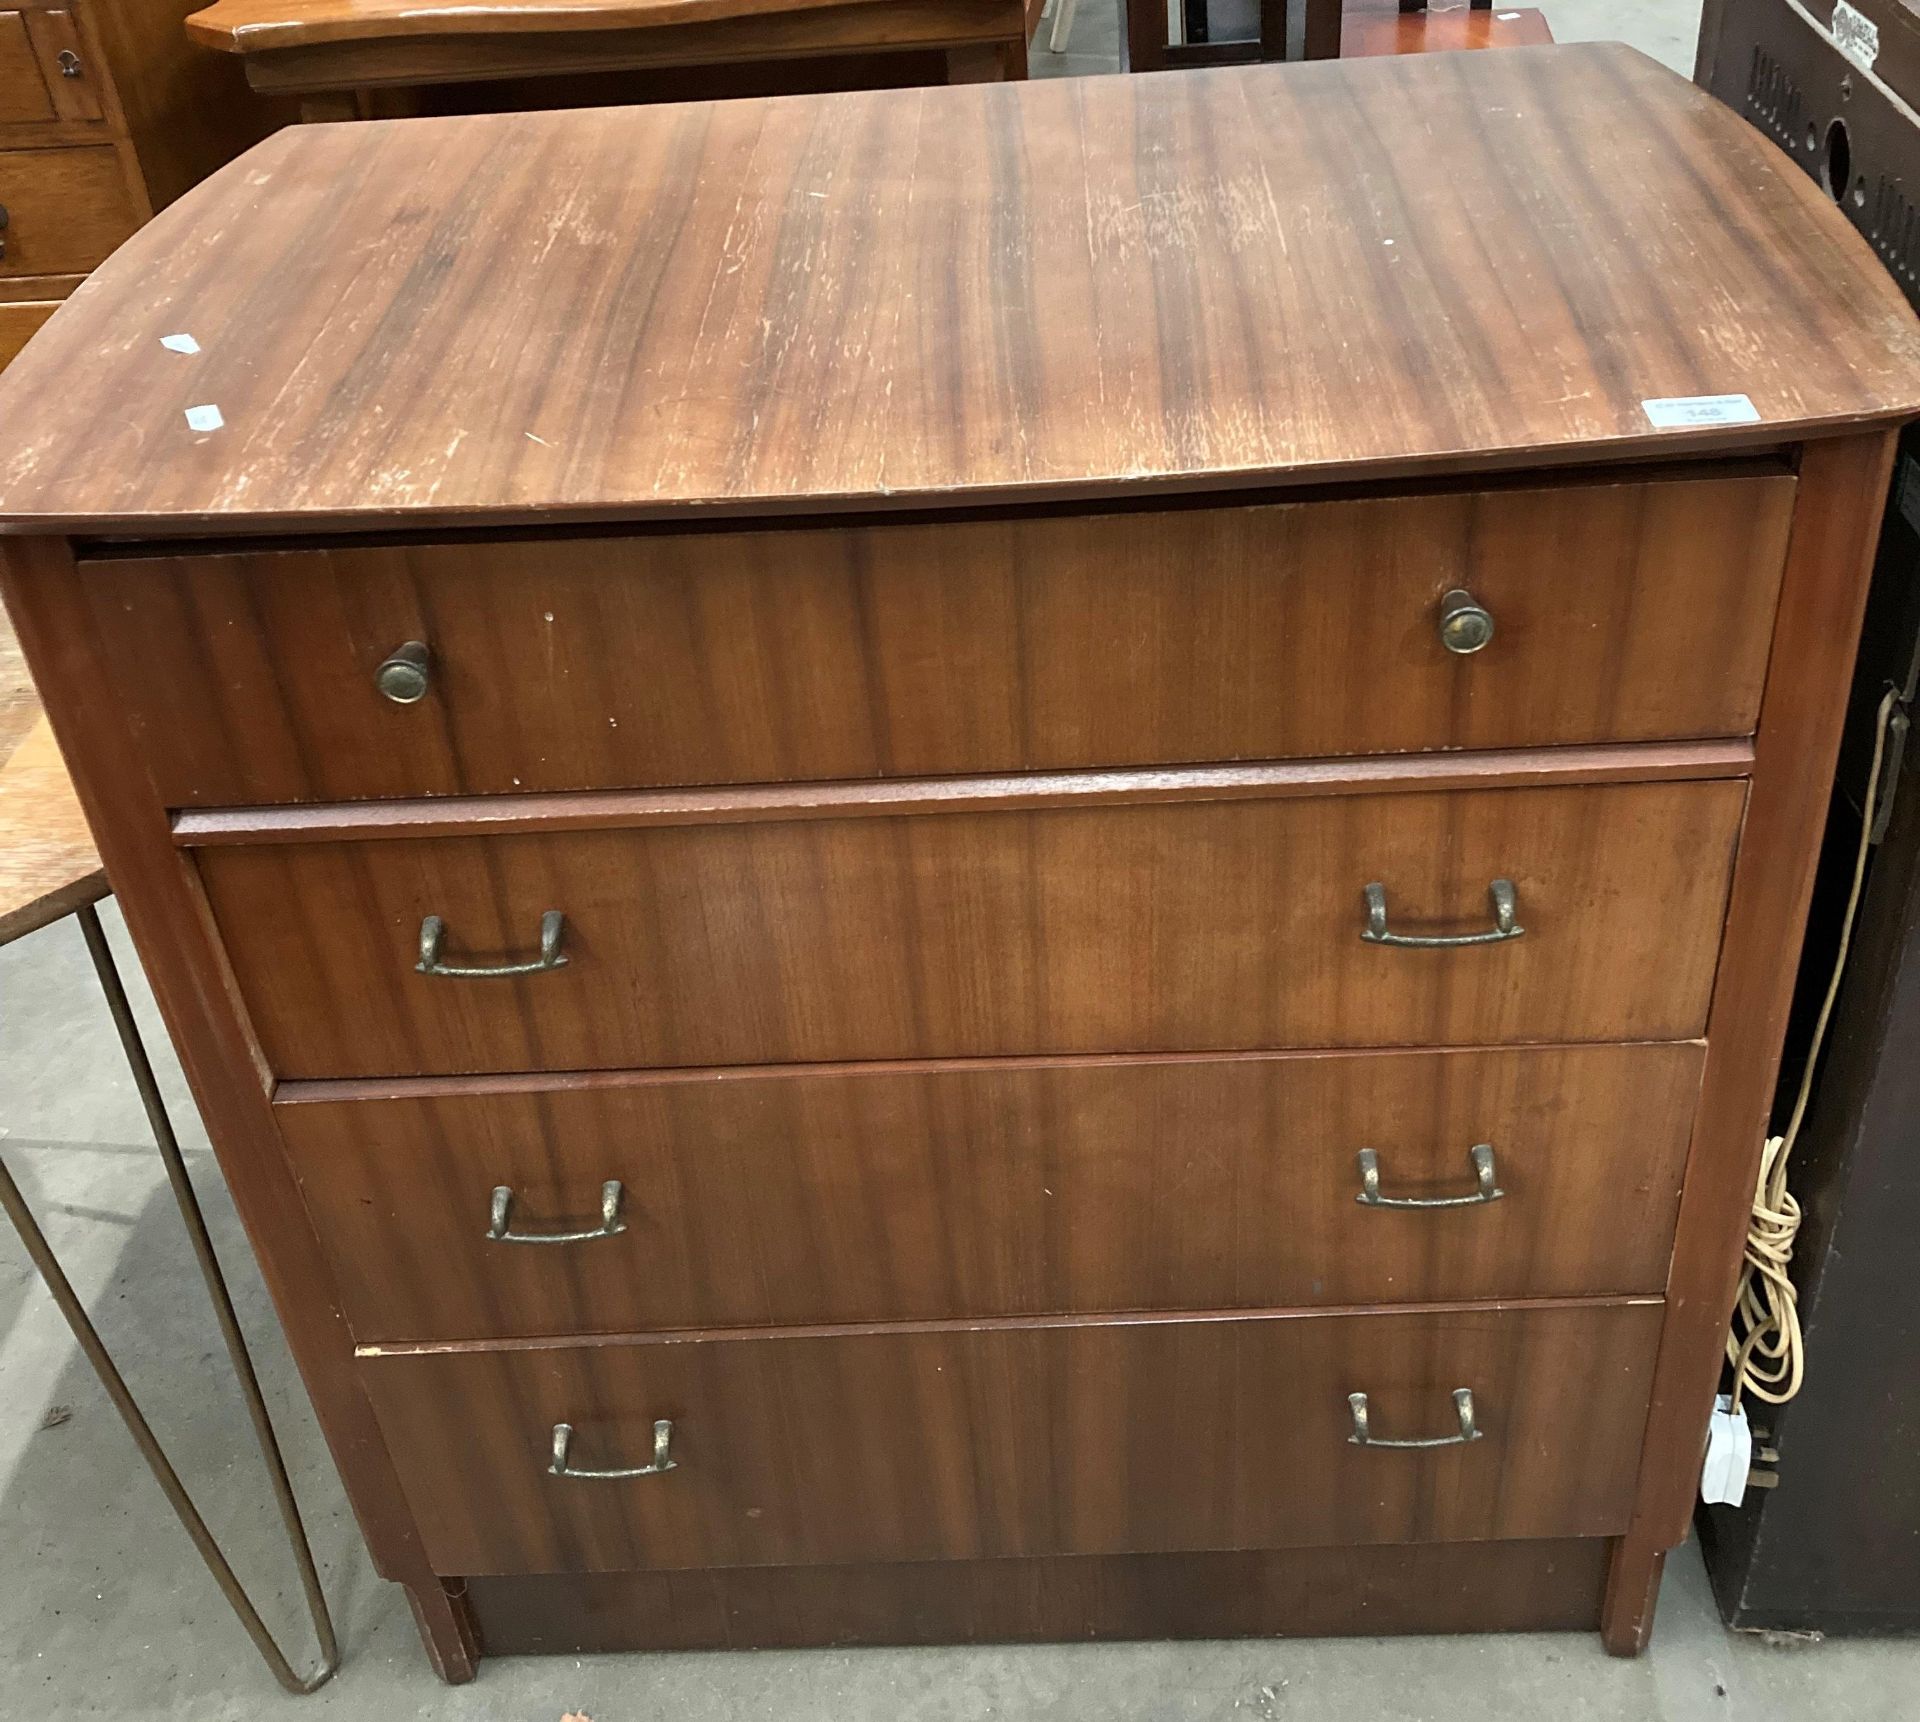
(103, 1366)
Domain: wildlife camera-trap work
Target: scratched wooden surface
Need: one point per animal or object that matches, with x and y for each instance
(963, 294)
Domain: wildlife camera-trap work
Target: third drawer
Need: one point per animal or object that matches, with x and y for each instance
(1043, 1439)
(786, 1197)
(1153, 927)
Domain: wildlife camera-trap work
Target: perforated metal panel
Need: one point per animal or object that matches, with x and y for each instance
(1856, 131)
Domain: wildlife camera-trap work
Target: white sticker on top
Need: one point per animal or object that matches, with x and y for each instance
(180, 343)
(1855, 34)
(1681, 412)
(204, 418)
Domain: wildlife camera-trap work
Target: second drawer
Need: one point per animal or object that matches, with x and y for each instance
(770, 1198)
(1169, 927)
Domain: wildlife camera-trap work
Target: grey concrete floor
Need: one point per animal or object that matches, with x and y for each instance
(105, 1612)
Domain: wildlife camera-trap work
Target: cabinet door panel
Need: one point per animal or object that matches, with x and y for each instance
(24, 96)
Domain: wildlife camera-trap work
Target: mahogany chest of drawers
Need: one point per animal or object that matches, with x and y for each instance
(996, 862)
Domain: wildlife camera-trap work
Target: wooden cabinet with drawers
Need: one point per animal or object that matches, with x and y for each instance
(107, 114)
(915, 905)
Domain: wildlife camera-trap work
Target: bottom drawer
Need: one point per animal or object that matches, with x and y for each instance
(1053, 1438)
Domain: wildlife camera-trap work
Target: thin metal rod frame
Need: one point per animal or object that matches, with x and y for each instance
(90, 1343)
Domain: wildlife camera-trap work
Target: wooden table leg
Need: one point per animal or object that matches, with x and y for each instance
(1273, 29)
(1146, 35)
(1322, 40)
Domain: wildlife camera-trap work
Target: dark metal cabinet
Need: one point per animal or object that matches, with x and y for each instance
(1835, 1546)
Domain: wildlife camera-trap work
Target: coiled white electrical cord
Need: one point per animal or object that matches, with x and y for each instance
(1764, 1344)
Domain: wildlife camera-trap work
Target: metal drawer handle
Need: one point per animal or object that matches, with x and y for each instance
(611, 1224)
(69, 63)
(1505, 907)
(1481, 1154)
(1464, 625)
(1363, 1436)
(404, 674)
(433, 930)
(662, 1459)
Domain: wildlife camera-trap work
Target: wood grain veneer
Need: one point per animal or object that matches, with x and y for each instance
(19, 322)
(1830, 559)
(797, 305)
(770, 322)
(66, 209)
(1539, 1586)
(1169, 927)
(993, 645)
(879, 798)
(1068, 1438)
(250, 26)
(767, 1198)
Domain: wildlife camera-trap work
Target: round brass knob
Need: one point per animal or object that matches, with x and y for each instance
(1464, 626)
(403, 676)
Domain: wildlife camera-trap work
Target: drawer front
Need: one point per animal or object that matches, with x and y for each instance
(45, 78)
(18, 324)
(1066, 1439)
(1621, 612)
(25, 98)
(72, 76)
(1195, 926)
(786, 1198)
(66, 209)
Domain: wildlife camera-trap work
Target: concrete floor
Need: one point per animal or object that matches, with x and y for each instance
(105, 1612)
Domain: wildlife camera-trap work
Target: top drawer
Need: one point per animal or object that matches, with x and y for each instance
(1621, 612)
(46, 83)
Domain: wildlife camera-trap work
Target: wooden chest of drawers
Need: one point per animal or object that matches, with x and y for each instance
(919, 903)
